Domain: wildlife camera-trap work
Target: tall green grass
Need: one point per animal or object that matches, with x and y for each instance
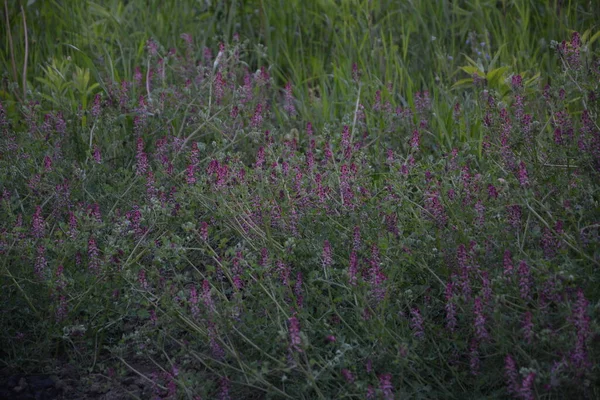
(409, 45)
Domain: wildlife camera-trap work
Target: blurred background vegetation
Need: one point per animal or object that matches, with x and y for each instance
(70, 48)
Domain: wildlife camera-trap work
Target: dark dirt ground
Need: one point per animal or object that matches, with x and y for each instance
(67, 383)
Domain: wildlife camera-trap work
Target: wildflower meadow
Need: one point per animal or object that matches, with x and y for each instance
(300, 200)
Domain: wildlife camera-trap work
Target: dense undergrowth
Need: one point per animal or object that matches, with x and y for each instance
(195, 220)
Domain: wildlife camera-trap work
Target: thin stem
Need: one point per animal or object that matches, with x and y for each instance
(26, 54)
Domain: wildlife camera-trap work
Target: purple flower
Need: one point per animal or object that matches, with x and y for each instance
(298, 290)
(528, 327)
(346, 145)
(434, 206)
(326, 258)
(480, 210)
(40, 262)
(371, 394)
(353, 268)
(62, 308)
(260, 158)
(215, 348)
(97, 155)
(348, 376)
(152, 47)
(581, 322)
(486, 287)
(450, 307)
(93, 255)
(204, 231)
(257, 118)
(474, 361)
(356, 240)
(224, 389)
(517, 82)
(479, 324)
(207, 298)
(141, 158)
(525, 280)
(512, 375)
(456, 111)
(526, 390)
(416, 323)
(37, 223)
(219, 87)
(284, 272)
(492, 192)
(508, 263)
(376, 276)
(522, 174)
(142, 279)
(415, 140)
(194, 302)
(289, 100)
(386, 387)
(190, 173)
(514, 216)
(264, 257)
(294, 332)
